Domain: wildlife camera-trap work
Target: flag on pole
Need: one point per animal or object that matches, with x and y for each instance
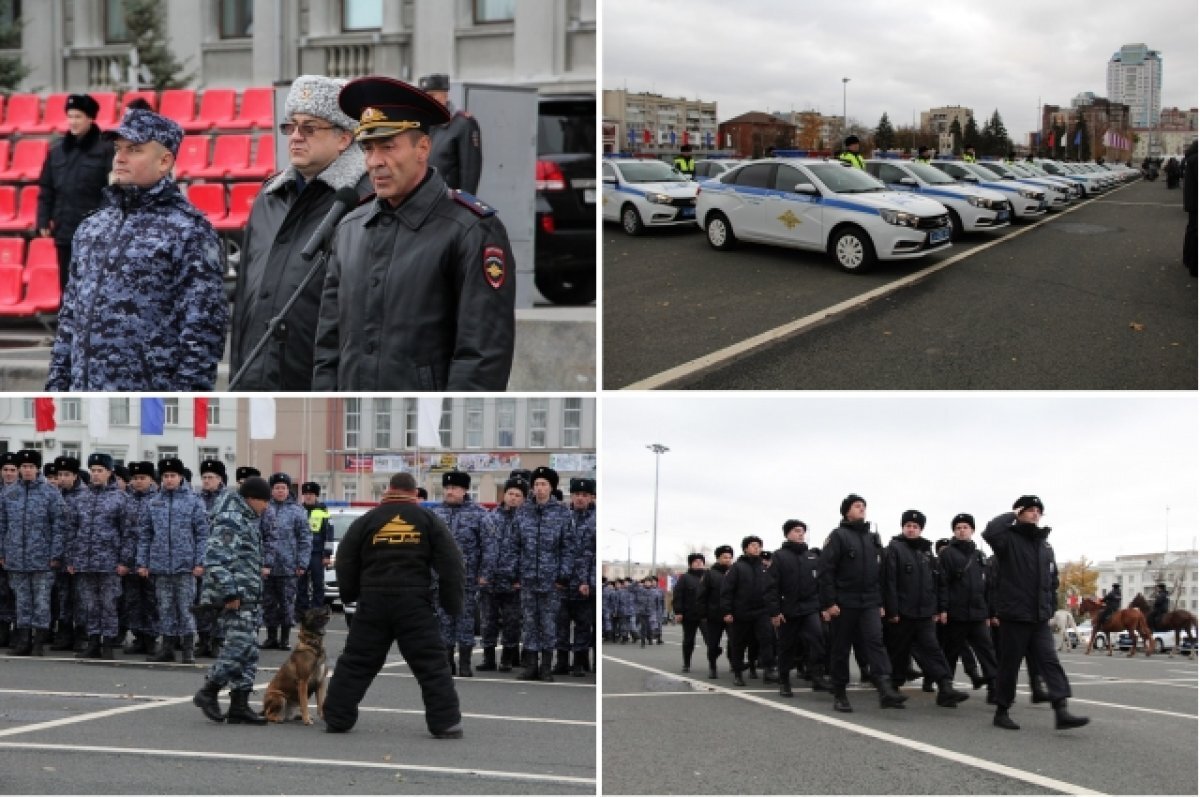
(98, 418)
(153, 415)
(429, 420)
(1050, 140)
(200, 417)
(1078, 135)
(645, 135)
(262, 419)
(43, 415)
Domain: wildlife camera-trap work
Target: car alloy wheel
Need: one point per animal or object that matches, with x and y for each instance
(631, 220)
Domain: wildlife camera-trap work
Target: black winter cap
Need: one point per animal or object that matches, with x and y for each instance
(1026, 501)
(788, 525)
(962, 517)
(255, 487)
(849, 500)
(723, 549)
(913, 516)
(456, 478)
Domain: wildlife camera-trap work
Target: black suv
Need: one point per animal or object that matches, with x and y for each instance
(565, 243)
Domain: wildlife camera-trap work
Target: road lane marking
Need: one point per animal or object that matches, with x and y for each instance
(505, 718)
(658, 694)
(752, 345)
(556, 683)
(922, 747)
(321, 762)
(1124, 707)
(95, 715)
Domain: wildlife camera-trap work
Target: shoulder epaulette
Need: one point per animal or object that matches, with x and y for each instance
(471, 203)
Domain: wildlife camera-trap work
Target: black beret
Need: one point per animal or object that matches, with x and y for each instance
(580, 485)
(788, 525)
(141, 469)
(549, 474)
(29, 456)
(517, 484)
(692, 557)
(84, 103)
(1026, 501)
(171, 465)
(723, 549)
(213, 466)
(913, 516)
(245, 472)
(849, 500)
(255, 487)
(456, 478)
(280, 478)
(312, 488)
(749, 539)
(962, 517)
(103, 460)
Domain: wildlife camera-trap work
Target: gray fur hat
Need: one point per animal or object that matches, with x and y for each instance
(317, 95)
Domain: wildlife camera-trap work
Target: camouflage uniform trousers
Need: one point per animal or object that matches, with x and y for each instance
(501, 618)
(31, 593)
(460, 630)
(175, 593)
(207, 622)
(237, 665)
(8, 602)
(578, 612)
(139, 604)
(539, 620)
(65, 605)
(279, 600)
(97, 595)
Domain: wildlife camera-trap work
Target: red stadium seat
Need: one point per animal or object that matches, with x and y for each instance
(258, 110)
(193, 155)
(26, 217)
(2, 99)
(43, 293)
(24, 111)
(12, 252)
(216, 107)
(10, 284)
(42, 254)
(8, 203)
(130, 96)
(4, 145)
(179, 105)
(241, 198)
(231, 152)
(107, 117)
(54, 118)
(27, 159)
(264, 160)
(209, 198)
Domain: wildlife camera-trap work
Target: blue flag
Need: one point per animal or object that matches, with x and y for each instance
(153, 412)
(1078, 135)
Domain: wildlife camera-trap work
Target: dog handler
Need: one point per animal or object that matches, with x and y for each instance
(384, 563)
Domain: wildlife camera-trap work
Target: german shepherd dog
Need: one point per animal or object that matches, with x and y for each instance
(304, 673)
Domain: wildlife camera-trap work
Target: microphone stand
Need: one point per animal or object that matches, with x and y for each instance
(275, 327)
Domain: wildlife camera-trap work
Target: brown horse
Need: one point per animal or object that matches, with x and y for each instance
(1129, 620)
(1177, 621)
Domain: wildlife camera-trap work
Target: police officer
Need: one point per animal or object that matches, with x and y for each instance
(627, 610)
(924, 155)
(793, 600)
(544, 561)
(969, 155)
(608, 608)
(500, 603)
(99, 552)
(71, 632)
(964, 602)
(8, 607)
(385, 562)
(710, 601)
(233, 561)
(456, 150)
(311, 590)
(1025, 588)
(473, 533)
(1112, 605)
(419, 292)
(689, 612)
(32, 530)
(244, 472)
(213, 478)
(744, 610)
(850, 154)
(137, 591)
(684, 163)
(290, 207)
(287, 543)
(73, 178)
(145, 307)
(850, 599)
(171, 544)
(1162, 604)
(577, 607)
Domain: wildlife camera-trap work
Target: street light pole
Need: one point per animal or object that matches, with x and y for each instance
(659, 449)
(845, 80)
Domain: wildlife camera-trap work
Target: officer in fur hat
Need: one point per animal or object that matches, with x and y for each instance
(456, 151)
(473, 532)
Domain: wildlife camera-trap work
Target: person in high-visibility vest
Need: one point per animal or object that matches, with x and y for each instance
(969, 155)
(684, 163)
(850, 154)
(924, 155)
(322, 550)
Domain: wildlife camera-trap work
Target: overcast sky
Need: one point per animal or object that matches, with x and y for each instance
(760, 55)
(1106, 467)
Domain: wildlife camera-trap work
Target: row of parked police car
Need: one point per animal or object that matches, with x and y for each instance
(895, 210)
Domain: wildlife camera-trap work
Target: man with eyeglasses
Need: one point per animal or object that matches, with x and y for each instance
(322, 159)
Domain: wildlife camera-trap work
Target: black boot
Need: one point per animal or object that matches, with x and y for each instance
(840, 701)
(81, 638)
(285, 633)
(137, 645)
(202, 644)
(560, 663)
(464, 661)
(450, 660)
(1037, 691)
(5, 634)
(977, 680)
(1065, 720)
(40, 637)
(106, 647)
(753, 670)
(1002, 720)
(92, 649)
(489, 660)
(926, 684)
(712, 669)
(64, 638)
(991, 692)
(643, 641)
(888, 696)
(166, 651)
(738, 680)
(188, 649)
(508, 658)
(948, 696)
(785, 684)
(240, 712)
(206, 699)
(529, 659)
(546, 671)
(579, 664)
(22, 642)
(272, 640)
(820, 681)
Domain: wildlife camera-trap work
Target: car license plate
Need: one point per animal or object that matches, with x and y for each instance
(589, 196)
(687, 213)
(1002, 215)
(939, 235)
(1042, 205)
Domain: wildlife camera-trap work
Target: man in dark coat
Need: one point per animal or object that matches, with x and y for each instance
(73, 179)
(744, 610)
(963, 600)
(685, 600)
(292, 204)
(1189, 205)
(710, 602)
(793, 600)
(419, 293)
(456, 152)
(1162, 604)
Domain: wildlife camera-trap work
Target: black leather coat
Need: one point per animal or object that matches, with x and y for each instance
(72, 183)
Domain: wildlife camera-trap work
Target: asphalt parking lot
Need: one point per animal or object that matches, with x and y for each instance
(667, 733)
(1091, 298)
(128, 727)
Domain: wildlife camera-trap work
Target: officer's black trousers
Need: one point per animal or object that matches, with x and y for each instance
(860, 627)
(741, 632)
(1035, 640)
(803, 629)
(410, 622)
(712, 639)
(975, 634)
(916, 638)
(689, 638)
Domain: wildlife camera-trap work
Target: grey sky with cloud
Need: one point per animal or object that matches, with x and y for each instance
(771, 55)
(1106, 466)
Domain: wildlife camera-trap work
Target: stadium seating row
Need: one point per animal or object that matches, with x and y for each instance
(218, 110)
(28, 284)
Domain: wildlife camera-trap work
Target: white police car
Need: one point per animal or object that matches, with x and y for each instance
(1058, 195)
(645, 193)
(971, 208)
(714, 167)
(820, 205)
(1026, 201)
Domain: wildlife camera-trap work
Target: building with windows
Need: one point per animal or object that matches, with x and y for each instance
(1139, 572)
(652, 123)
(352, 446)
(1135, 79)
(82, 45)
(753, 134)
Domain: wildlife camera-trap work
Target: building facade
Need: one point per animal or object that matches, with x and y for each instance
(657, 125)
(1099, 115)
(1135, 79)
(1140, 572)
(753, 134)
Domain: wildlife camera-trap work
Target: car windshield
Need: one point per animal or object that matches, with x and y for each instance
(1019, 168)
(979, 171)
(566, 127)
(995, 168)
(930, 175)
(845, 179)
(1035, 169)
(649, 172)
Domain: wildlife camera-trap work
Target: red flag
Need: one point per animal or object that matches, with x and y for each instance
(645, 135)
(685, 137)
(200, 417)
(43, 415)
(1050, 141)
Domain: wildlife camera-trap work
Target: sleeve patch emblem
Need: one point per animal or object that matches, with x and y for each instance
(494, 270)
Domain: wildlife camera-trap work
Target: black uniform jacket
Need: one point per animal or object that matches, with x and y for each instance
(744, 589)
(963, 585)
(849, 572)
(909, 579)
(1026, 576)
(457, 152)
(72, 182)
(794, 589)
(710, 592)
(685, 599)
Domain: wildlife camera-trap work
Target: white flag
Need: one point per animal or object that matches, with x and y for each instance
(429, 419)
(262, 419)
(98, 418)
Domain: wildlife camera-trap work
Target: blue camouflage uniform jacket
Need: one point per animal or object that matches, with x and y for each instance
(471, 526)
(173, 533)
(212, 497)
(504, 572)
(629, 600)
(610, 600)
(145, 306)
(287, 539)
(646, 601)
(545, 553)
(583, 571)
(32, 526)
(233, 557)
(135, 511)
(97, 539)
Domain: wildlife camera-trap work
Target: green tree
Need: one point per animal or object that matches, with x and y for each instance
(956, 134)
(144, 19)
(885, 134)
(12, 70)
(971, 137)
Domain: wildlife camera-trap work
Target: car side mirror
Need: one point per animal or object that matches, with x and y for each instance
(806, 188)
(907, 181)
(608, 180)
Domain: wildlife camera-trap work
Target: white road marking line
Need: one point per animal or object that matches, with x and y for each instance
(506, 718)
(752, 344)
(1124, 707)
(556, 683)
(1150, 204)
(1097, 680)
(940, 752)
(329, 762)
(42, 726)
(656, 694)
